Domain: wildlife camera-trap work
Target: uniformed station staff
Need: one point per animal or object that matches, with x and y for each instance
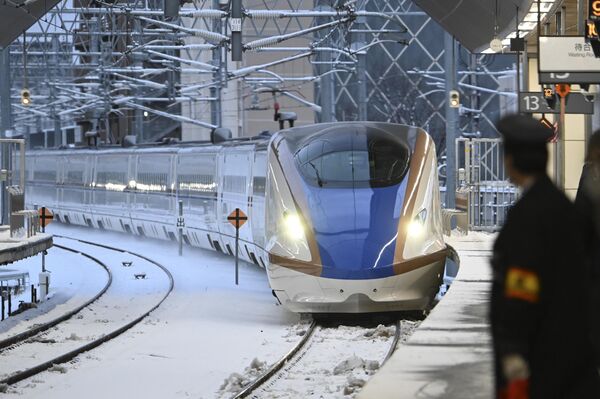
(587, 203)
(539, 307)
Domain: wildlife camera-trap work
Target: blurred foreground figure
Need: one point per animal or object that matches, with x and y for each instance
(539, 307)
(588, 204)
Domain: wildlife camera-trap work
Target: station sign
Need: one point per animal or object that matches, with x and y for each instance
(569, 77)
(566, 54)
(535, 103)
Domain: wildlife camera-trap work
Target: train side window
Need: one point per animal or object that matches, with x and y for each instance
(259, 185)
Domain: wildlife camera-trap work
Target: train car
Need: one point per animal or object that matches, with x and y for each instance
(353, 218)
(345, 217)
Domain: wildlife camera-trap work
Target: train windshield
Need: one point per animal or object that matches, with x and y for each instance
(359, 158)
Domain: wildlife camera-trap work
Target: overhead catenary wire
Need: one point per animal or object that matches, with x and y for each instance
(115, 76)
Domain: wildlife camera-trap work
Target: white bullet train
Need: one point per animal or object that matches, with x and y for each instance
(345, 217)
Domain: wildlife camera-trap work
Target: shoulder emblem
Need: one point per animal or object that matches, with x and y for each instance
(522, 284)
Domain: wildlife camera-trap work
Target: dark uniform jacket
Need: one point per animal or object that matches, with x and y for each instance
(589, 210)
(539, 301)
(585, 204)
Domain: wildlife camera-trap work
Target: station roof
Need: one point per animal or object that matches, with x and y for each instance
(473, 22)
(17, 16)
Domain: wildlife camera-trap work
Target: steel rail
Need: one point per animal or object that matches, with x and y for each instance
(394, 342)
(277, 366)
(23, 374)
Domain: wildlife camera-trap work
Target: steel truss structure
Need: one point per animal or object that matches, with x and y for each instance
(406, 84)
(121, 68)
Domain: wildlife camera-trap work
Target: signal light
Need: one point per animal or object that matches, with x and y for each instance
(25, 97)
(454, 99)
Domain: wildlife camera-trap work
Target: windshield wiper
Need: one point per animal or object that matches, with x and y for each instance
(319, 181)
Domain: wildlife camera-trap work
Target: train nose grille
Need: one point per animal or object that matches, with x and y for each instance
(358, 258)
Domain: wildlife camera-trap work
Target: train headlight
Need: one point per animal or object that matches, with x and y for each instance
(416, 228)
(294, 228)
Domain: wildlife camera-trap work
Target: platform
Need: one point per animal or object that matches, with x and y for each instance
(14, 249)
(450, 355)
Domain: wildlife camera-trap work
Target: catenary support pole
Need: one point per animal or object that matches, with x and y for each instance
(581, 17)
(53, 110)
(450, 57)
(326, 82)
(138, 62)
(236, 30)
(216, 90)
(5, 123)
(361, 68)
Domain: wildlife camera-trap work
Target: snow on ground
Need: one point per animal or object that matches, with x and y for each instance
(207, 329)
(74, 280)
(125, 300)
(335, 363)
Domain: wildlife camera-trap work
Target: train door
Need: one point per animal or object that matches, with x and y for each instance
(45, 181)
(197, 188)
(234, 184)
(74, 169)
(109, 190)
(60, 175)
(127, 221)
(154, 198)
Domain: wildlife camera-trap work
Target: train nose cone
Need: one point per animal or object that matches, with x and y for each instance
(356, 230)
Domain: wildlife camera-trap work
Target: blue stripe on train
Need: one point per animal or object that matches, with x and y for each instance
(356, 229)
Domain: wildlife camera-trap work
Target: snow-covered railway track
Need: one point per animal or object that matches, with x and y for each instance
(125, 301)
(329, 361)
(41, 329)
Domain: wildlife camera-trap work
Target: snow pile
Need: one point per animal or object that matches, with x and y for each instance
(296, 330)
(18, 233)
(358, 371)
(381, 331)
(74, 337)
(236, 382)
(372, 365)
(354, 385)
(348, 365)
(407, 327)
(58, 369)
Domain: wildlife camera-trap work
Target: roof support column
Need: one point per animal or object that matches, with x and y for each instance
(450, 57)
(5, 123)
